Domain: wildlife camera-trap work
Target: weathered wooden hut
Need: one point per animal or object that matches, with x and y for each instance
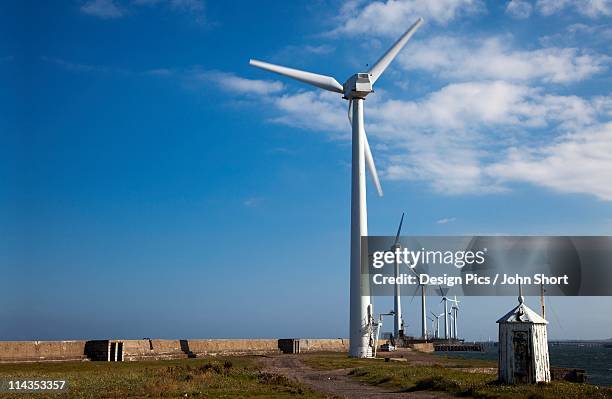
(523, 346)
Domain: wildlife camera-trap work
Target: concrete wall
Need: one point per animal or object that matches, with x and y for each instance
(235, 346)
(155, 349)
(423, 347)
(11, 351)
(324, 345)
(172, 349)
(302, 345)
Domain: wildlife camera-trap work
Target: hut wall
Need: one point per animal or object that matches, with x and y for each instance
(540, 342)
(506, 350)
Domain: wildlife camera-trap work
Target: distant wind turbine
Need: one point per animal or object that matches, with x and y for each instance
(355, 90)
(437, 326)
(398, 322)
(455, 312)
(445, 300)
(423, 288)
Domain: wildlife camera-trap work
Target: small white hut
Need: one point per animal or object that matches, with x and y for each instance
(523, 346)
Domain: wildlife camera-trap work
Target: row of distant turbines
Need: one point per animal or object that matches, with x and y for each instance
(453, 314)
(450, 329)
(355, 90)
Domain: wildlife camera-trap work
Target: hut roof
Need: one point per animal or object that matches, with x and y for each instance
(522, 314)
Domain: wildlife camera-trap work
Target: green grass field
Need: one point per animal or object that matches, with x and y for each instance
(223, 377)
(452, 379)
(242, 377)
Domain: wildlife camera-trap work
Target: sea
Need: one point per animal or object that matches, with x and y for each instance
(596, 360)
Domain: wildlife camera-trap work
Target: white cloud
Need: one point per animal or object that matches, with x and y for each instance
(446, 220)
(520, 9)
(102, 9)
(589, 8)
(146, 2)
(474, 105)
(461, 138)
(187, 5)
(579, 34)
(318, 110)
(319, 50)
(235, 84)
(78, 67)
(392, 17)
(578, 162)
(445, 138)
(159, 72)
(493, 58)
(252, 202)
(113, 9)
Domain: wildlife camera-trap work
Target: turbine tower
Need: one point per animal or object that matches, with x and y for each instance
(423, 304)
(355, 90)
(455, 311)
(398, 322)
(445, 300)
(433, 326)
(437, 325)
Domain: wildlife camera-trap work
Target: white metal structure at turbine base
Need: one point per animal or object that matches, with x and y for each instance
(355, 90)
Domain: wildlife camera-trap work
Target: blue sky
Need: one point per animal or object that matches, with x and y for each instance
(154, 185)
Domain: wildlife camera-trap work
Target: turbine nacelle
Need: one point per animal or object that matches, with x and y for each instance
(358, 86)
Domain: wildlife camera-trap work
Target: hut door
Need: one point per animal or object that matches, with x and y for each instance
(522, 356)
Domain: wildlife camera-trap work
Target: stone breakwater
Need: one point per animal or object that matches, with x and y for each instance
(151, 349)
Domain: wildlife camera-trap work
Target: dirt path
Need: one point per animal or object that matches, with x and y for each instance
(335, 383)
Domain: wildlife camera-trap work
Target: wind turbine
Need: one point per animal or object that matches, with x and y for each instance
(423, 304)
(445, 300)
(433, 326)
(437, 328)
(355, 90)
(398, 323)
(455, 311)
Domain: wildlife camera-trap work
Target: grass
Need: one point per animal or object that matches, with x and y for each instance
(219, 377)
(450, 378)
(240, 377)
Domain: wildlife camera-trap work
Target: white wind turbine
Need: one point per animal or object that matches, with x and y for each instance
(355, 90)
(433, 325)
(423, 288)
(452, 319)
(398, 322)
(445, 300)
(455, 312)
(437, 325)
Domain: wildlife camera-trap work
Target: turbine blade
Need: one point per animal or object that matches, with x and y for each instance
(371, 166)
(321, 81)
(416, 289)
(386, 59)
(368, 155)
(399, 230)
